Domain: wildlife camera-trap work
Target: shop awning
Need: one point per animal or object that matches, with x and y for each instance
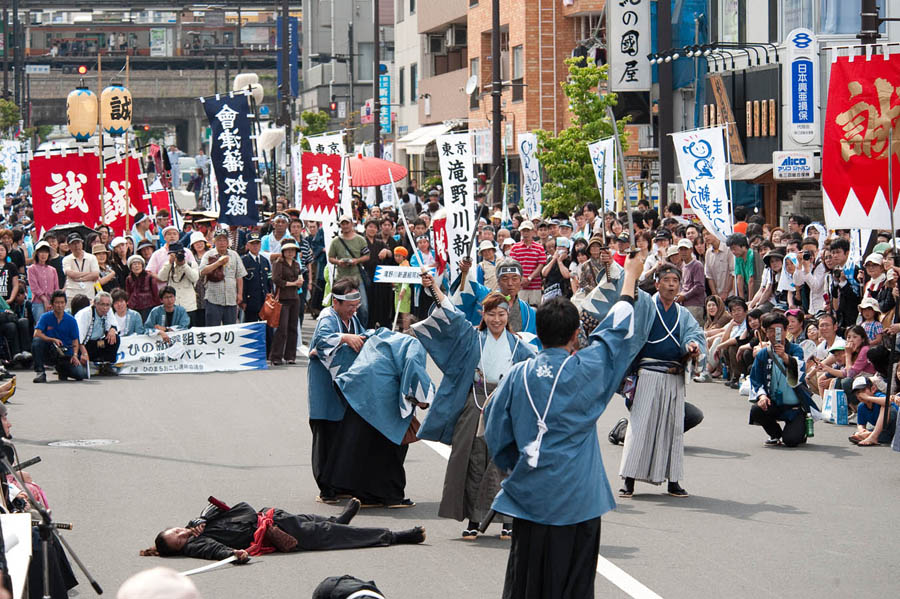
(416, 141)
(748, 172)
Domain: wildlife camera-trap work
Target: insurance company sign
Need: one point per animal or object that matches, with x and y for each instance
(790, 166)
(800, 81)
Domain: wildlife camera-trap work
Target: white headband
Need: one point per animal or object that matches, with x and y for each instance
(348, 297)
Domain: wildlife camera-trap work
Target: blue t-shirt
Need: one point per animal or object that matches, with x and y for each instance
(66, 330)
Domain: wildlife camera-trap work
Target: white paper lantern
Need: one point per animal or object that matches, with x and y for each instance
(81, 113)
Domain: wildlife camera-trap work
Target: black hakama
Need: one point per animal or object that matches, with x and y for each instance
(325, 438)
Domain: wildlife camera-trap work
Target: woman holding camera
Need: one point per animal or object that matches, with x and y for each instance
(181, 275)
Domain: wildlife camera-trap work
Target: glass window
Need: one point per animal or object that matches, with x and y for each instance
(794, 14)
(365, 61)
(730, 11)
(401, 86)
(412, 7)
(413, 83)
(518, 62)
(842, 16)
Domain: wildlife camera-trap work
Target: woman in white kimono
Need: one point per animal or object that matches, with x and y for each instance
(473, 360)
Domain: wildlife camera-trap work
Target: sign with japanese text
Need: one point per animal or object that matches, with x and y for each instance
(297, 172)
(703, 168)
(531, 174)
(115, 200)
(481, 140)
(203, 349)
(321, 182)
(628, 23)
(800, 80)
(10, 160)
(863, 106)
(65, 189)
(455, 153)
(387, 152)
(790, 166)
(332, 143)
(293, 54)
(603, 159)
(233, 158)
(399, 274)
(384, 95)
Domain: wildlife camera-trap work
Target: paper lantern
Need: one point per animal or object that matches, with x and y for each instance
(257, 92)
(81, 113)
(242, 80)
(115, 110)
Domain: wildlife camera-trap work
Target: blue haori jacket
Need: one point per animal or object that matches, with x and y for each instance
(328, 358)
(390, 368)
(468, 299)
(455, 346)
(556, 475)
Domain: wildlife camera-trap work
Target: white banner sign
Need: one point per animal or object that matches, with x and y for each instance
(12, 166)
(202, 349)
(628, 31)
(704, 170)
(387, 153)
(603, 159)
(399, 274)
(332, 143)
(297, 168)
(455, 152)
(800, 80)
(531, 174)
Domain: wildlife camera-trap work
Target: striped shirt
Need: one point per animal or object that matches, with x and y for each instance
(531, 257)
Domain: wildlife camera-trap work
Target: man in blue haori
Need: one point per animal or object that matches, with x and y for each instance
(541, 428)
(654, 441)
(471, 293)
(335, 344)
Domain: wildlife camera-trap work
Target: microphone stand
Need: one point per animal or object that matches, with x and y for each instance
(46, 528)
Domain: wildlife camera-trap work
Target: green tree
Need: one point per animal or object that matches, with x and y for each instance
(9, 114)
(314, 123)
(569, 180)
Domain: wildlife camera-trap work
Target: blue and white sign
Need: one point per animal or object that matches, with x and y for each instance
(603, 159)
(384, 94)
(801, 114)
(400, 274)
(293, 54)
(704, 170)
(12, 166)
(790, 166)
(531, 174)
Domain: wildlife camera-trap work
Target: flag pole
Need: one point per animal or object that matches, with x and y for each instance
(730, 199)
(100, 131)
(127, 186)
(886, 410)
(621, 160)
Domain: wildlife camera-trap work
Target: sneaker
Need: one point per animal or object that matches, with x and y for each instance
(506, 532)
(41, 377)
(703, 378)
(772, 442)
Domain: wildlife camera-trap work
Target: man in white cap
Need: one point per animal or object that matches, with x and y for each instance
(81, 269)
(486, 270)
(532, 257)
(171, 235)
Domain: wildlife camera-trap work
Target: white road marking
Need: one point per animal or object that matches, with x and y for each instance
(605, 568)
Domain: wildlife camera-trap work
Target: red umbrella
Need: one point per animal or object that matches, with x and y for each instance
(371, 172)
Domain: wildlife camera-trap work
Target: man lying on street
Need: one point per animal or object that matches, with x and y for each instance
(242, 531)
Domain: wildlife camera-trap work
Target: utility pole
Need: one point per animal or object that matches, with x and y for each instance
(869, 23)
(376, 77)
(352, 102)
(496, 93)
(5, 48)
(17, 88)
(666, 117)
(286, 91)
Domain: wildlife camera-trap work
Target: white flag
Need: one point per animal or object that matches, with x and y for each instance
(333, 143)
(704, 168)
(531, 174)
(455, 152)
(603, 159)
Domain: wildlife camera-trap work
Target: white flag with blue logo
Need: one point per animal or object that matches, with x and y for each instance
(603, 159)
(704, 169)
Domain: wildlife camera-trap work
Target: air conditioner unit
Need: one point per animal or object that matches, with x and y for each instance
(456, 36)
(437, 44)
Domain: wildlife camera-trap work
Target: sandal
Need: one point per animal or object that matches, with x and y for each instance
(403, 504)
(10, 390)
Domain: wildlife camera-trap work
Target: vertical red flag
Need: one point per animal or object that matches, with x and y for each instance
(321, 181)
(863, 105)
(441, 243)
(65, 189)
(115, 200)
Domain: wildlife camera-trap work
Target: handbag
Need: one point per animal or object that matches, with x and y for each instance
(271, 310)
(216, 275)
(363, 275)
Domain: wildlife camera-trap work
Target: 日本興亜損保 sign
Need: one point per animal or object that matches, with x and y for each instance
(384, 95)
(800, 80)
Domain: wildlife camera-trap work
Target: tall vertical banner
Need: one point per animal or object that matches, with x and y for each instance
(384, 95)
(387, 152)
(455, 153)
(12, 166)
(297, 172)
(531, 174)
(293, 54)
(332, 143)
(233, 158)
(65, 188)
(115, 200)
(862, 107)
(603, 159)
(800, 79)
(704, 173)
(628, 32)
(321, 182)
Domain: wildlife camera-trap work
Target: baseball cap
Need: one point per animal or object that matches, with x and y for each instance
(345, 217)
(685, 243)
(73, 237)
(526, 225)
(220, 233)
(486, 245)
(861, 382)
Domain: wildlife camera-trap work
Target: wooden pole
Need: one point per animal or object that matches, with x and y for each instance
(127, 186)
(100, 131)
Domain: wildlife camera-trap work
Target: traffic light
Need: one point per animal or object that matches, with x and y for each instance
(146, 127)
(82, 69)
(332, 107)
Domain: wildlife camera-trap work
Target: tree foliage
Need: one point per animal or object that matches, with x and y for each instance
(569, 175)
(9, 114)
(314, 123)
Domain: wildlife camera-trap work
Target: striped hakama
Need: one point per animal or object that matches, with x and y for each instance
(654, 441)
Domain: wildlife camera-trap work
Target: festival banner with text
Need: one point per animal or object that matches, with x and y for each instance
(331, 143)
(321, 183)
(65, 188)
(704, 171)
(233, 158)
(603, 159)
(11, 161)
(115, 200)
(202, 349)
(455, 152)
(531, 174)
(863, 105)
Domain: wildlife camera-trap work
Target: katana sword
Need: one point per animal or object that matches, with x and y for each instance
(209, 567)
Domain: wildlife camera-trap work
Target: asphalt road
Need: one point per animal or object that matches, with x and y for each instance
(817, 521)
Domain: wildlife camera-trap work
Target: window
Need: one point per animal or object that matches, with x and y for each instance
(365, 60)
(401, 86)
(398, 11)
(796, 13)
(412, 7)
(474, 66)
(825, 17)
(731, 22)
(518, 73)
(413, 83)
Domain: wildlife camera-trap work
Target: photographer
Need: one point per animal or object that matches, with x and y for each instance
(160, 257)
(56, 342)
(99, 336)
(181, 274)
(777, 385)
(809, 276)
(555, 273)
(843, 285)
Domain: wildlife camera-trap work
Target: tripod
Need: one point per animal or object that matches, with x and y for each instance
(46, 528)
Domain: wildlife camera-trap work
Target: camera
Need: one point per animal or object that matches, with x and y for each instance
(837, 273)
(807, 256)
(179, 256)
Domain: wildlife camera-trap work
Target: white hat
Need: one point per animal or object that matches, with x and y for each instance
(345, 217)
(861, 382)
(498, 215)
(526, 225)
(117, 241)
(195, 237)
(509, 241)
(838, 345)
(42, 245)
(672, 251)
(486, 245)
(875, 259)
(135, 258)
(685, 243)
(870, 302)
(172, 227)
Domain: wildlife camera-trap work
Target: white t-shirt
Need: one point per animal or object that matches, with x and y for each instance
(822, 349)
